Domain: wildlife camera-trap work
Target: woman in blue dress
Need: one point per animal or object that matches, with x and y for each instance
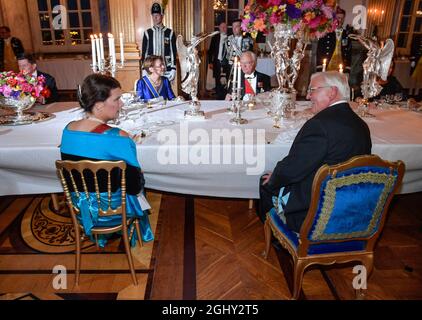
(154, 85)
(92, 139)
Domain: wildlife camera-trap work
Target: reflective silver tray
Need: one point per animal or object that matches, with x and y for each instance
(8, 118)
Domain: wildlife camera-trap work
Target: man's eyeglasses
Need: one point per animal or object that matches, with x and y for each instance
(310, 90)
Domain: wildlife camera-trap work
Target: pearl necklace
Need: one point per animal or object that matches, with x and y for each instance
(157, 83)
(95, 119)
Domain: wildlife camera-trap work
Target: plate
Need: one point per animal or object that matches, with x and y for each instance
(28, 118)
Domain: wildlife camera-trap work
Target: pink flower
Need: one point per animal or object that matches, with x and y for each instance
(314, 23)
(275, 18)
(259, 25)
(328, 12)
(26, 87)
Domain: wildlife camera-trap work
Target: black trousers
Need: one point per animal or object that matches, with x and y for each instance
(265, 204)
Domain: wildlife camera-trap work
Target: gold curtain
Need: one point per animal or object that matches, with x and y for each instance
(183, 15)
(380, 15)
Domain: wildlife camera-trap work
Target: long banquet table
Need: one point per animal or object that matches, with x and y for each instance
(188, 157)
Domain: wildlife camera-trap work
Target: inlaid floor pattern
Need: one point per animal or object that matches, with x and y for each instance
(205, 248)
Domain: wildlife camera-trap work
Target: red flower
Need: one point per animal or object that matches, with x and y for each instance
(292, 2)
(46, 93)
(12, 82)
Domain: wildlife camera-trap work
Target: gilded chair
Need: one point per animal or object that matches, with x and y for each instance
(347, 213)
(88, 188)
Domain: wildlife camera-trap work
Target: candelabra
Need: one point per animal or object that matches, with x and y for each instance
(236, 107)
(108, 65)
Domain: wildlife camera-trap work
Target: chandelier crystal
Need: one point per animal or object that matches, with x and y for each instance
(220, 4)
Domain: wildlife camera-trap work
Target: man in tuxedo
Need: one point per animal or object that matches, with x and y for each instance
(28, 65)
(160, 41)
(10, 48)
(215, 57)
(327, 44)
(252, 82)
(333, 135)
(235, 45)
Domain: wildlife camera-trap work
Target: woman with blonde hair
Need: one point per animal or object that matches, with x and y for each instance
(154, 85)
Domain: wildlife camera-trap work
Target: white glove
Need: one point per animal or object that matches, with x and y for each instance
(170, 74)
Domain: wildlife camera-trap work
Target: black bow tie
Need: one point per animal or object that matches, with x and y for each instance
(251, 77)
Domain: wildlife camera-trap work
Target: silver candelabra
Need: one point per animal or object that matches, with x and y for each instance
(108, 65)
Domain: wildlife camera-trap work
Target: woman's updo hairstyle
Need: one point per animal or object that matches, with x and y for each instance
(95, 88)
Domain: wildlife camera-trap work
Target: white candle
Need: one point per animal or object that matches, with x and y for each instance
(324, 65)
(340, 68)
(122, 49)
(239, 72)
(112, 48)
(101, 46)
(97, 45)
(94, 58)
(235, 73)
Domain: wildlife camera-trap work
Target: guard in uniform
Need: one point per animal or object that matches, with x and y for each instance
(337, 39)
(235, 45)
(160, 41)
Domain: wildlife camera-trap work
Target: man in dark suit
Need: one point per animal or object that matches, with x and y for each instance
(10, 48)
(333, 135)
(216, 54)
(327, 44)
(28, 65)
(252, 82)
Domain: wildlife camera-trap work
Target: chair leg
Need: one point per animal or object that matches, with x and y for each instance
(138, 231)
(268, 234)
(250, 204)
(78, 256)
(55, 200)
(299, 268)
(129, 257)
(96, 241)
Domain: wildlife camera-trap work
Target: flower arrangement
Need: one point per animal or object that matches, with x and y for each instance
(19, 86)
(316, 17)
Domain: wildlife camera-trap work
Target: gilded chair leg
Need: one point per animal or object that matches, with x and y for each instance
(299, 268)
(250, 204)
(78, 257)
(138, 231)
(129, 257)
(268, 234)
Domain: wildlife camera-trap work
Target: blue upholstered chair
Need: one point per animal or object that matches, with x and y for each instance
(346, 215)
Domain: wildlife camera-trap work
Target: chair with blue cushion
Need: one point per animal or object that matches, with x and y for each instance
(347, 213)
(88, 187)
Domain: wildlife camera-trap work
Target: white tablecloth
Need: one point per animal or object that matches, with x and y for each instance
(27, 153)
(67, 72)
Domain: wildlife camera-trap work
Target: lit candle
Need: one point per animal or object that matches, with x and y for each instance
(101, 46)
(239, 71)
(340, 68)
(97, 45)
(122, 49)
(94, 58)
(112, 48)
(324, 65)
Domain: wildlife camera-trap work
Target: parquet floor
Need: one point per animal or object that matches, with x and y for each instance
(207, 248)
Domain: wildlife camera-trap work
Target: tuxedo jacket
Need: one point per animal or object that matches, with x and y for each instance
(327, 45)
(17, 48)
(263, 82)
(332, 136)
(50, 83)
